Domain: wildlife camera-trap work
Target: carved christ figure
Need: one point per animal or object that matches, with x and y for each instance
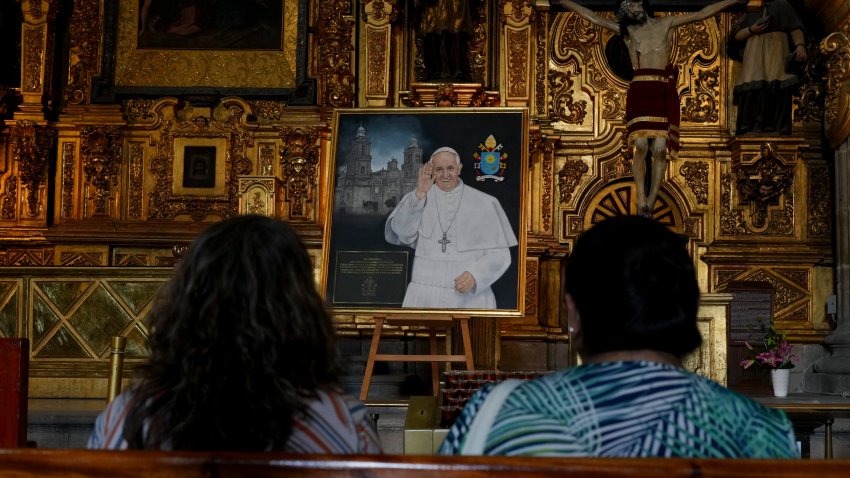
(652, 102)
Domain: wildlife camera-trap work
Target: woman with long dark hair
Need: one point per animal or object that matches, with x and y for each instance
(242, 355)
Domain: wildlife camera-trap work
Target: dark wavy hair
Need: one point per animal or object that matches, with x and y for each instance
(625, 21)
(635, 287)
(239, 342)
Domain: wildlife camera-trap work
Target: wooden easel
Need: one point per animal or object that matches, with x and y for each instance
(432, 324)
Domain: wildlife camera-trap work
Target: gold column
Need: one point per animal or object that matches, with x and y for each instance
(37, 42)
(517, 50)
(116, 367)
(837, 108)
(376, 39)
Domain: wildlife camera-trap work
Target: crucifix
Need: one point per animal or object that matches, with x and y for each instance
(444, 241)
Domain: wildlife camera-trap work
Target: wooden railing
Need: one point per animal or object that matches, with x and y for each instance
(31, 463)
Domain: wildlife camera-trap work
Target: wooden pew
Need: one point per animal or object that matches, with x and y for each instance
(31, 463)
(14, 370)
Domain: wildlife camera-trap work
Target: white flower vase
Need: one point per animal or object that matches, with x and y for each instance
(779, 378)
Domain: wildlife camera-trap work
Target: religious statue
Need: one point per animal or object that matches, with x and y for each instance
(763, 89)
(652, 102)
(445, 27)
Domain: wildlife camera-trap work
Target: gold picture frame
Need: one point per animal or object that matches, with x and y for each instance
(191, 152)
(375, 274)
(138, 69)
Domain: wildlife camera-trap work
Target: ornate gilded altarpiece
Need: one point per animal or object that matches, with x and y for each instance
(93, 209)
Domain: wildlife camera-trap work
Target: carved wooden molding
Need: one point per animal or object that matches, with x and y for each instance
(257, 195)
(448, 94)
(100, 151)
(86, 28)
(334, 29)
(696, 175)
(757, 195)
(836, 47)
(30, 149)
(38, 39)
(227, 124)
(517, 16)
(299, 163)
(378, 16)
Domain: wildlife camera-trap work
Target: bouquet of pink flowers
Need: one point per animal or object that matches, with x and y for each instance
(778, 353)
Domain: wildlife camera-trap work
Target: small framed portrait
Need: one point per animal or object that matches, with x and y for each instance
(426, 211)
(199, 165)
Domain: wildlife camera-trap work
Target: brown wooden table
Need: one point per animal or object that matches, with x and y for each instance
(809, 411)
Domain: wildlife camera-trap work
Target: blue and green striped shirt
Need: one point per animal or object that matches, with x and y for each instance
(628, 409)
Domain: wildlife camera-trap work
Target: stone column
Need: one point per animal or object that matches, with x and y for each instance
(831, 375)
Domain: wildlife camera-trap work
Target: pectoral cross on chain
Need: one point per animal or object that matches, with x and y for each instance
(444, 241)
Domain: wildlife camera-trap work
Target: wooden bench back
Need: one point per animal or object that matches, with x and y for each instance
(31, 463)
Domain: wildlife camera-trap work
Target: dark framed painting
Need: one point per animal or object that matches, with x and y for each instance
(219, 25)
(203, 51)
(199, 166)
(405, 231)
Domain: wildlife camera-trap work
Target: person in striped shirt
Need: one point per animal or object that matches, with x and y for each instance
(242, 356)
(632, 299)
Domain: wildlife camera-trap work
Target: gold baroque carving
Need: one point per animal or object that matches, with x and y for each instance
(163, 203)
(378, 9)
(546, 147)
(30, 149)
(810, 96)
(622, 166)
(10, 198)
(29, 257)
(564, 107)
(700, 105)
(568, 178)
(576, 37)
(85, 30)
(696, 175)
(531, 283)
(299, 160)
(836, 47)
(731, 220)
(578, 41)
(68, 160)
(518, 44)
(136, 157)
(616, 199)
(257, 195)
(695, 37)
(477, 55)
(267, 109)
(81, 259)
(100, 149)
(541, 64)
(783, 294)
(334, 32)
(33, 53)
(820, 201)
(516, 10)
(376, 45)
(138, 109)
(266, 159)
(149, 67)
(765, 186)
(798, 276)
(726, 275)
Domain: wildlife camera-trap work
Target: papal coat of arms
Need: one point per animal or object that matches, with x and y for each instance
(490, 162)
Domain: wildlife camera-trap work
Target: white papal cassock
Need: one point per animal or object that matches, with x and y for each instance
(479, 236)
